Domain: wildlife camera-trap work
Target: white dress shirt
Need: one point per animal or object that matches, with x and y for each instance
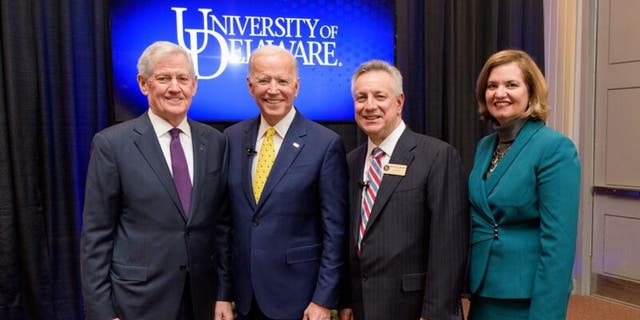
(387, 145)
(161, 128)
(281, 130)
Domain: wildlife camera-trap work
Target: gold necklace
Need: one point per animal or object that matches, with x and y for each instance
(498, 154)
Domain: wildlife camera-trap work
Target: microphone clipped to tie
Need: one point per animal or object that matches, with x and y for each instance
(251, 151)
(363, 184)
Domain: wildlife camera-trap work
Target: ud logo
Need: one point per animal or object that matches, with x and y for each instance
(203, 34)
(309, 41)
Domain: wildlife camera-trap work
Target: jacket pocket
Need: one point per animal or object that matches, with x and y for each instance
(413, 281)
(127, 272)
(304, 254)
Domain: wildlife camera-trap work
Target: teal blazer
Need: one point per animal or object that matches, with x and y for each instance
(524, 220)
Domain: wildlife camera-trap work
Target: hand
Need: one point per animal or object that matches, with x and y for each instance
(345, 314)
(316, 312)
(223, 311)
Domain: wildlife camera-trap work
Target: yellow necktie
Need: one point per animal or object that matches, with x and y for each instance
(265, 162)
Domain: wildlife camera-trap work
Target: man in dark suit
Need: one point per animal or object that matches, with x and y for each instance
(154, 234)
(409, 220)
(288, 195)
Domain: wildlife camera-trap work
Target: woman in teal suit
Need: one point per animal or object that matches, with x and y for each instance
(524, 192)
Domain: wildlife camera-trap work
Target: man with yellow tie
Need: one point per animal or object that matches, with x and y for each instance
(288, 197)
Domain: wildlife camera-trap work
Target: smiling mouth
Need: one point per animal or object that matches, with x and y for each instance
(272, 101)
(501, 103)
(371, 117)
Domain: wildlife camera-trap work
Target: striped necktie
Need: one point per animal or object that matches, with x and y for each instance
(374, 178)
(265, 162)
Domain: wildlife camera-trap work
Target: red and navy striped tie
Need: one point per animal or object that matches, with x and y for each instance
(374, 177)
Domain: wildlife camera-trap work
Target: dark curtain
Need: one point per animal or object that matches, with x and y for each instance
(441, 47)
(53, 97)
(55, 94)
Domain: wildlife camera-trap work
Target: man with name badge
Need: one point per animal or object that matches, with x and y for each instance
(409, 224)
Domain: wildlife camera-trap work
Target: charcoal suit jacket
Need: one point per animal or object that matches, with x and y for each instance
(414, 251)
(137, 247)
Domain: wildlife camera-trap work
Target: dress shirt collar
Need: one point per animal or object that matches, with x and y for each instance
(161, 126)
(281, 127)
(389, 143)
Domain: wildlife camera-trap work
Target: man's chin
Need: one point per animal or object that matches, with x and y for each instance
(370, 126)
(275, 110)
(372, 131)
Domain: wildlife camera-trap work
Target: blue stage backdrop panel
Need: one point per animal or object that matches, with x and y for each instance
(329, 39)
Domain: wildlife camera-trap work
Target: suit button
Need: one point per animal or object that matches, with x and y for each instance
(183, 268)
(187, 234)
(364, 277)
(255, 222)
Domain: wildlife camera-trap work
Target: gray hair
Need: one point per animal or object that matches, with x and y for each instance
(379, 65)
(159, 49)
(272, 49)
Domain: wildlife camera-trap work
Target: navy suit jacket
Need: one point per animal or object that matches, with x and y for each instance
(288, 248)
(137, 248)
(413, 254)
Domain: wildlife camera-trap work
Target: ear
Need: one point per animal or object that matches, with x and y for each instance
(297, 86)
(249, 84)
(195, 85)
(142, 83)
(400, 102)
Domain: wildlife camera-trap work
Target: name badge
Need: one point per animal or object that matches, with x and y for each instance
(395, 169)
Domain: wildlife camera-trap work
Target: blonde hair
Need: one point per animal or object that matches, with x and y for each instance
(538, 108)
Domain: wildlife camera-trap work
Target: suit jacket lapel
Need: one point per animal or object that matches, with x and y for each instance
(291, 146)
(199, 165)
(477, 181)
(403, 155)
(356, 179)
(523, 137)
(250, 136)
(146, 141)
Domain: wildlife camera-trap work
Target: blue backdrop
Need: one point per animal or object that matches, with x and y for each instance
(329, 39)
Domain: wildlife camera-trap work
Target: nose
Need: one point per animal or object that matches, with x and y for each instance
(500, 92)
(370, 103)
(173, 85)
(273, 87)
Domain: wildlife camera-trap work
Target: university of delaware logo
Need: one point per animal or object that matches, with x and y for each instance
(311, 42)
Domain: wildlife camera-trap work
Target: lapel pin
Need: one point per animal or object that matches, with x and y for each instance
(296, 145)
